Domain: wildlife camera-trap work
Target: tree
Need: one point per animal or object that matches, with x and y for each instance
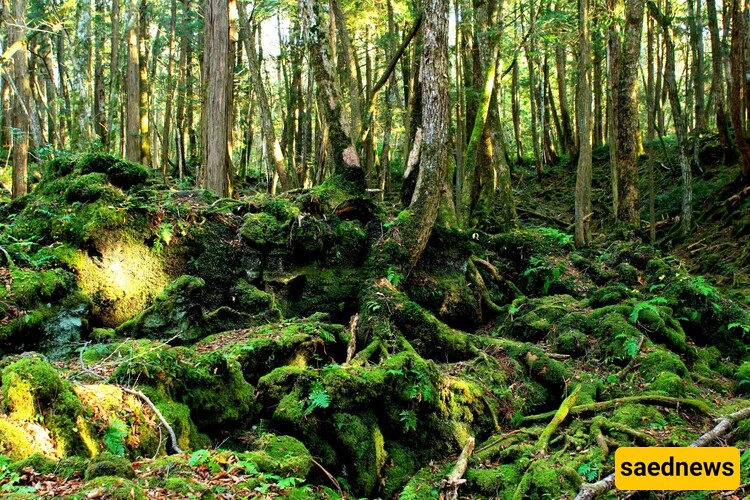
(583, 209)
(624, 72)
(133, 134)
(22, 91)
(736, 99)
(435, 120)
(215, 109)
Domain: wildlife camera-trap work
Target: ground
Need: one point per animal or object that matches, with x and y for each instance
(160, 343)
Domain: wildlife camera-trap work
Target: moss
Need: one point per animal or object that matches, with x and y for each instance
(184, 486)
(125, 174)
(86, 188)
(743, 377)
(14, 442)
(249, 299)
(627, 274)
(102, 335)
(58, 167)
(399, 467)
(176, 312)
(349, 246)
(34, 287)
(426, 483)
(281, 455)
(361, 437)
(38, 462)
(95, 162)
(638, 416)
(30, 385)
(107, 464)
(116, 488)
(264, 230)
(661, 360)
(609, 295)
(669, 384)
(572, 342)
(72, 466)
(178, 416)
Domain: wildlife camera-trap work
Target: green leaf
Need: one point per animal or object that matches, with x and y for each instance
(199, 457)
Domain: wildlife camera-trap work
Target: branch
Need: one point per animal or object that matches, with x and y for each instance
(589, 491)
(455, 479)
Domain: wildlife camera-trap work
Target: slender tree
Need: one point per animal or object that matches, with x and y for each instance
(583, 208)
(20, 112)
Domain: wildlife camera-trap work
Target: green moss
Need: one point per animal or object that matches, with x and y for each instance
(178, 416)
(743, 377)
(58, 167)
(249, 299)
(86, 188)
(638, 416)
(176, 312)
(38, 462)
(361, 437)
(116, 488)
(572, 342)
(125, 174)
(399, 467)
(71, 466)
(627, 274)
(14, 442)
(95, 162)
(107, 464)
(263, 230)
(281, 455)
(661, 360)
(30, 385)
(669, 384)
(33, 287)
(184, 486)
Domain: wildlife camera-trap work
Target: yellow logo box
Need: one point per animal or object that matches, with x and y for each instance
(677, 468)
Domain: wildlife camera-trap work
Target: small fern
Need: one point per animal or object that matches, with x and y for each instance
(114, 436)
(588, 470)
(649, 305)
(394, 277)
(742, 326)
(318, 398)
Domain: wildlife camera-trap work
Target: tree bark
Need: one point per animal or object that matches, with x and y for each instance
(166, 130)
(143, 86)
(736, 99)
(567, 140)
(435, 121)
(583, 209)
(133, 136)
(717, 79)
(22, 90)
(215, 112)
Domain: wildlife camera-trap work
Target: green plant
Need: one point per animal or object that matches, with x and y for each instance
(588, 470)
(114, 436)
(742, 326)
(318, 398)
(649, 305)
(409, 419)
(630, 344)
(562, 239)
(394, 277)
(199, 457)
(540, 269)
(9, 478)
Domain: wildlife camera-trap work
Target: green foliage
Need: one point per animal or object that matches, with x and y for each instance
(541, 269)
(409, 419)
(199, 457)
(649, 305)
(114, 435)
(589, 470)
(318, 398)
(394, 276)
(563, 240)
(630, 344)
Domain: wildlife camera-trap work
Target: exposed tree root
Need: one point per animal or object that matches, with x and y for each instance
(695, 404)
(455, 479)
(593, 490)
(558, 419)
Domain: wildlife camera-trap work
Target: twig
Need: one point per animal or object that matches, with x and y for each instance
(329, 476)
(455, 479)
(501, 438)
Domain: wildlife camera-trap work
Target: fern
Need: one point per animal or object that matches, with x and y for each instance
(409, 419)
(114, 435)
(649, 305)
(394, 277)
(588, 470)
(199, 457)
(742, 326)
(318, 398)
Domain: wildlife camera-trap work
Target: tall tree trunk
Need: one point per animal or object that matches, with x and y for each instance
(21, 100)
(182, 90)
(717, 79)
(625, 99)
(273, 148)
(133, 136)
(166, 130)
(516, 112)
(215, 111)
(679, 121)
(696, 43)
(350, 64)
(143, 86)
(650, 103)
(736, 98)
(583, 208)
(599, 113)
(567, 139)
(435, 120)
(343, 154)
(114, 73)
(98, 112)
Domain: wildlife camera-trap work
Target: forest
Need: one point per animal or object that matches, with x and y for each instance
(370, 248)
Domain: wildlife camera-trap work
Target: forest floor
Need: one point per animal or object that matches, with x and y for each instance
(160, 343)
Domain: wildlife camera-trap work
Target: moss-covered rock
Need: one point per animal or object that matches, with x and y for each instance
(281, 455)
(176, 312)
(116, 488)
(107, 464)
(572, 342)
(360, 435)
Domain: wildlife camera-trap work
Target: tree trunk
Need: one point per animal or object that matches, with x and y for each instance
(696, 43)
(567, 140)
(625, 102)
(679, 121)
(143, 86)
(650, 103)
(736, 98)
(516, 112)
(166, 130)
(435, 120)
(133, 137)
(21, 101)
(345, 160)
(215, 112)
(350, 65)
(114, 73)
(583, 209)
(717, 79)
(98, 112)
(273, 148)
(599, 114)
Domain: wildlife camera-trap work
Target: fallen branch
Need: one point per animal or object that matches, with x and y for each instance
(453, 480)
(330, 477)
(560, 415)
(352, 348)
(589, 491)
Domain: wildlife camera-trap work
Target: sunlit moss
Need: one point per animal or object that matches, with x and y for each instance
(122, 279)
